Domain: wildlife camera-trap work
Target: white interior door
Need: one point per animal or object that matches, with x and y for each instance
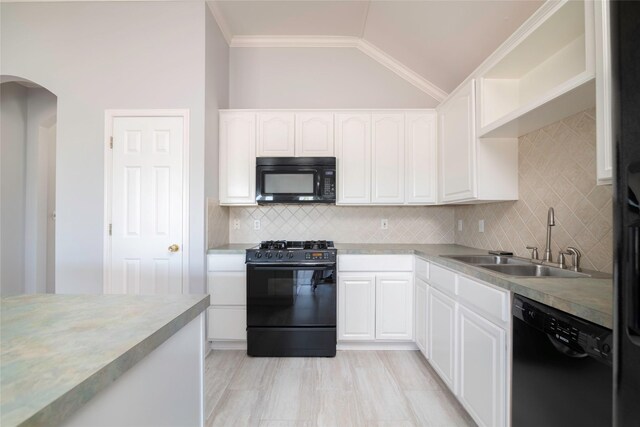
(147, 205)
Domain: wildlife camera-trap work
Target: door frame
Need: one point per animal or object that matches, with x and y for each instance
(110, 116)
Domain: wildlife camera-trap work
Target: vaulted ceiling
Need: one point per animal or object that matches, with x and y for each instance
(440, 41)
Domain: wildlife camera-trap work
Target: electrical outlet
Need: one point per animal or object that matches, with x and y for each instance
(481, 226)
(459, 225)
(256, 224)
(236, 224)
(384, 224)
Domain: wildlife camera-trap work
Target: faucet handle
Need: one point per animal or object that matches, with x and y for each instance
(534, 251)
(575, 257)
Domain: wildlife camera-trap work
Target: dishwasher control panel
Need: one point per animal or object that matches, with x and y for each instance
(578, 335)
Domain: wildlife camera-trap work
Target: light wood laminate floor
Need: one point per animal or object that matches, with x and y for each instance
(356, 388)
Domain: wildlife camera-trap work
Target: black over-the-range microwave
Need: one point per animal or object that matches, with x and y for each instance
(295, 180)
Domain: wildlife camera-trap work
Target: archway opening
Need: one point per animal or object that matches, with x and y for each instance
(28, 117)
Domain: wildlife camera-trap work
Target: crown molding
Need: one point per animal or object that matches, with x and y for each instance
(362, 45)
(294, 41)
(219, 18)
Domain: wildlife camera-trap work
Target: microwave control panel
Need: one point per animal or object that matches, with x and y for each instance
(329, 183)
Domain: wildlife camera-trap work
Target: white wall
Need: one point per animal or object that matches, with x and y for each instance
(108, 55)
(41, 115)
(216, 97)
(13, 124)
(317, 78)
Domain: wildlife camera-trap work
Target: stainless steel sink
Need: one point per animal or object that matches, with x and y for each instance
(485, 259)
(533, 270)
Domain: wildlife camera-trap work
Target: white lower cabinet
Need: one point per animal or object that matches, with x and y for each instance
(227, 286)
(356, 307)
(394, 306)
(482, 368)
(442, 336)
(421, 295)
(375, 298)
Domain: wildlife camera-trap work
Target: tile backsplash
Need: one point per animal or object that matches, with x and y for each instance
(217, 224)
(557, 167)
(345, 224)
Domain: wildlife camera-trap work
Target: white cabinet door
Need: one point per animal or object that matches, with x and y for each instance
(227, 323)
(275, 135)
(387, 135)
(457, 141)
(356, 307)
(353, 154)
(482, 369)
(421, 162)
(422, 290)
(441, 312)
(394, 306)
(603, 93)
(237, 158)
(314, 135)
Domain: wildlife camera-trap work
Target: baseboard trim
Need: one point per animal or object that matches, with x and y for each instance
(228, 345)
(357, 345)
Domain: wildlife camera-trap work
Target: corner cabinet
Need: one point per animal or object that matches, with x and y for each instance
(472, 169)
(237, 158)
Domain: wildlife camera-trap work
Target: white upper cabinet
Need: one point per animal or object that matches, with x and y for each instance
(276, 134)
(543, 75)
(238, 158)
(421, 162)
(603, 93)
(353, 155)
(314, 134)
(458, 146)
(387, 158)
(472, 169)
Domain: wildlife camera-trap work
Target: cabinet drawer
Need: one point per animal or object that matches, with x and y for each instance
(422, 269)
(442, 279)
(227, 287)
(225, 262)
(227, 323)
(375, 263)
(488, 300)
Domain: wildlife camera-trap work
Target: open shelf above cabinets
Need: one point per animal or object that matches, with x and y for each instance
(547, 74)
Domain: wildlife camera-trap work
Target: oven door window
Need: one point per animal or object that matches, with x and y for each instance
(283, 296)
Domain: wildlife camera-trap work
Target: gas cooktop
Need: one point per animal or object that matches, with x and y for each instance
(292, 251)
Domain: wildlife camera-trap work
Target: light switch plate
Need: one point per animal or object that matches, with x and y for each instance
(481, 226)
(236, 224)
(384, 224)
(256, 224)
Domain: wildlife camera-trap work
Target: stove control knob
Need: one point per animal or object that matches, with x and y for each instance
(269, 254)
(279, 255)
(258, 254)
(290, 255)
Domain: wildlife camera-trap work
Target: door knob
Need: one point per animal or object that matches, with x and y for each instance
(174, 248)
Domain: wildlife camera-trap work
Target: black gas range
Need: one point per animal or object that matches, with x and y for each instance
(291, 299)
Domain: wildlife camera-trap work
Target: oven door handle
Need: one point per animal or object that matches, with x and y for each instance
(292, 267)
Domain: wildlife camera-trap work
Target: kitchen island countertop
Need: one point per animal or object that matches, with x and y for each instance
(58, 351)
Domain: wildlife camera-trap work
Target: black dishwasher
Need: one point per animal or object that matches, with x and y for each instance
(562, 369)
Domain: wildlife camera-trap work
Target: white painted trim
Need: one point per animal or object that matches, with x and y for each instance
(110, 115)
(362, 45)
(228, 345)
(220, 20)
(377, 345)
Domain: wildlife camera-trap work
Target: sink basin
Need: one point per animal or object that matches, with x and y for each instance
(533, 270)
(485, 259)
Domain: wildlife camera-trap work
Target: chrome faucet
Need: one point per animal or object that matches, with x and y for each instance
(575, 258)
(551, 221)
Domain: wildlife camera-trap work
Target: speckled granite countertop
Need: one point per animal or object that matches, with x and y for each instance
(58, 351)
(234, 248)
(588, 298)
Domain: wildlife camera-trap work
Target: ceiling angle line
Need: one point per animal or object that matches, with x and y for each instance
(220, 20)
